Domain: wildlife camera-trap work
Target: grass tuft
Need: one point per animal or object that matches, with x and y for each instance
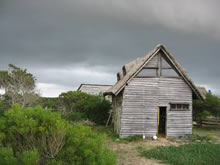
(131, 138)
(193, 154)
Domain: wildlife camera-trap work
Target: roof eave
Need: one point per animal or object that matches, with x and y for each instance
(107, 93)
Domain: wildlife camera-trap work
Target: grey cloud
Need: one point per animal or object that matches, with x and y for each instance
(52, 37)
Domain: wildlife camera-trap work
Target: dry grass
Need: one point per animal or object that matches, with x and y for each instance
(208, 131)
(128, 153)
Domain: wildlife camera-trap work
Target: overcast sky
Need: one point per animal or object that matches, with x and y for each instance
(67, 42)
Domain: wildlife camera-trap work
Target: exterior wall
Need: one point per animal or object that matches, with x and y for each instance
(179, 123)
(116, 111)
(140, 103)
(141, 99)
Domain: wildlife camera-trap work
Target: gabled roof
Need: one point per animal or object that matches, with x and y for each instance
(135, 66)
(93, 89)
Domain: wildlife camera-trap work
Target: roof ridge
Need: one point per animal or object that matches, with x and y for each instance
(115, 89)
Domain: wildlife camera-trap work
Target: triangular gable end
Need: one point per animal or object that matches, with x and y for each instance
(183, 74)
(158, 66)
(169, 60)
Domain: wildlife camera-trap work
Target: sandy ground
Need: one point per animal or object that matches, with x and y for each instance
(128, 153)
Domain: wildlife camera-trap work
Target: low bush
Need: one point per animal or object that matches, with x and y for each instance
(29, 157)
(94, 108)
(75, 116)
(209, 107)
(49, 103)
(7, 156)
(4, 104)
(132, 138)
(26, 158)
(27, 129)
(200, 139)
(44, 137)
(193, 154)
(88, 149)
(70, 98)
(86, 123)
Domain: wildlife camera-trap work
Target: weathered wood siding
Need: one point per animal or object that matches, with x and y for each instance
(139, 112)
(94, 89)
(153, 62)
(116, 111)
(141, 99)
(179, 123)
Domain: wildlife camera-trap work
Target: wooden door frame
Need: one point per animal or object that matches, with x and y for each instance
(158, 120)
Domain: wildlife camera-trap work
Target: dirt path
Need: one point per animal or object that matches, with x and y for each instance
(127, 153)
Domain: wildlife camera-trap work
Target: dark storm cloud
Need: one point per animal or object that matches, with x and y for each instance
(65, 42)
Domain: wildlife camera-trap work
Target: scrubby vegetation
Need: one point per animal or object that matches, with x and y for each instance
(193, 154)
(203, 109)
(19, 86)
(36, 136)
(78, 106)
(57, 132)
(51, 103)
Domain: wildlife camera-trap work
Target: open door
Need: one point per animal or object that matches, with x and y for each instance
(162, 118)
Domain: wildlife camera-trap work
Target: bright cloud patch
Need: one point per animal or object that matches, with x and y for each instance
(56, 81)
(51, 90)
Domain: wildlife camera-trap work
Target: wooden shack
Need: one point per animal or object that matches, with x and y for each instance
(153, 96)
(93, 89)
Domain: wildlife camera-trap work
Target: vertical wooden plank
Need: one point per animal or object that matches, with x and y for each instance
(158, 120)
(139, 111)
(179, 123)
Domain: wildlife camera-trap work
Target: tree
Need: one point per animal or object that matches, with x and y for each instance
(19, 85)
(78, 105)
(68, 99)
(209, 107)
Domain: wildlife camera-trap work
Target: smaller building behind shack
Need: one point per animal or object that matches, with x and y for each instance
(95, 89)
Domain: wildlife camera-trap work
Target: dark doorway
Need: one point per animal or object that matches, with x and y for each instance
(162, 115)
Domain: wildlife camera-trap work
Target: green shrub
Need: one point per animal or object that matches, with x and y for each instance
(70, 98)
(193, 154)
(95, 108)
(43, 136)
(86, 123)
(132, 138)
(76, 116)
(4, 104)
(7, 156)
(55, 162)
(88, 149)
(30, 158)
(200, 139)
(34, 128)
(203, 109)
(49, 103)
